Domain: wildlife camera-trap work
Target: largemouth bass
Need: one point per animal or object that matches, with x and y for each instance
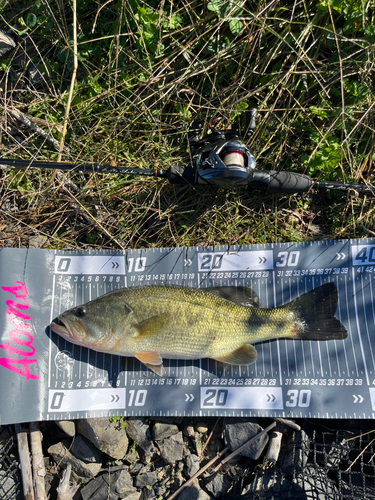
(156, 322)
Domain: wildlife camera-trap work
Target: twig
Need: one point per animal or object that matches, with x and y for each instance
(75, 66)
(39, 470)
(289, 423)
(26, 121)
(65, 491)
(209, 437)
(208, 464)
(23, 450)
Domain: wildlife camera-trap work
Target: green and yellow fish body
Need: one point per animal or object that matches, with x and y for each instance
(156, 322)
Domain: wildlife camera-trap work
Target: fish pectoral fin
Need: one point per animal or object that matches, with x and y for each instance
(151, 326)
(152, 360)
(244, 355)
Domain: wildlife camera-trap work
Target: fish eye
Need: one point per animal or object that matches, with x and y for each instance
(80, 312)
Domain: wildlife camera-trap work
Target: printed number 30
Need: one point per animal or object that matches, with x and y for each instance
(287, 259)
(298, 398)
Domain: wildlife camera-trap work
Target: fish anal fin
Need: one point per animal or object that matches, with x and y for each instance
(244, 355)
(242, 295)
(158, 369)
(149, 358)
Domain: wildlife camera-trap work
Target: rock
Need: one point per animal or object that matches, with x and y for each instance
(201, 427)
(86, 460)
(193, 492)
(294, 451)
(192, 465)
(114, 485)
(162, 431)
(107, 436)
(124, 484)
(6, 43)
(237, 431)
(67, 426)
(171, 448)
(316, 485)
(219, 485)
(146, 479)
(134, 496)
(138, 430)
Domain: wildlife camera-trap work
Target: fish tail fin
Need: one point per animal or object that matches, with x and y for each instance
(315, 311)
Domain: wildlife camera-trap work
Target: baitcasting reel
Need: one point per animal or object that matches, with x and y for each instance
(222, 159)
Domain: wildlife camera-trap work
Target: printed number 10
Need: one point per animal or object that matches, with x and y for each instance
(137, 398)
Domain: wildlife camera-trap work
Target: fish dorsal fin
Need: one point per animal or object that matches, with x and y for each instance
(241, 295)
(151, 326)
(152, 360)
(244, 355)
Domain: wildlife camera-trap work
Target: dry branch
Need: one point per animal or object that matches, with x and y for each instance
(39, 470)
(23, 451)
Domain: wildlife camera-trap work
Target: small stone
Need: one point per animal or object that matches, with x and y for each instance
(67, 426)
(35, 75)
(146, 479)
(192, 465)
(107, 436)
(97, 489)
(238, 431)
(294, 452)
(38, 242)
(6, 43)
(138, 430)
(134, 496)
(193, 492)
(159, 489)
(162, 431)
(85, 459)
(171, 448)
(201, 427)
(188, 431)
(219, 485)
(131, 458)
(148, 494)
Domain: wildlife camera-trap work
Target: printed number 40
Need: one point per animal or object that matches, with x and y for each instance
(298, 398)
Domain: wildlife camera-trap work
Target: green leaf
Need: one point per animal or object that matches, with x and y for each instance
(31, 20)
(369, 34)
(236, 27)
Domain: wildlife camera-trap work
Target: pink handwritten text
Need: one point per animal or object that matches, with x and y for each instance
(20, 335)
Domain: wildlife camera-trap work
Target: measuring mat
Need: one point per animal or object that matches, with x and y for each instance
(44, 377)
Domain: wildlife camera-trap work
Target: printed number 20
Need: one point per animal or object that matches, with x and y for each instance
(288, 259)
(298, 398)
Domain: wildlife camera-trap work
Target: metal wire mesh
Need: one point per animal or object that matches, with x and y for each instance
(10, 477)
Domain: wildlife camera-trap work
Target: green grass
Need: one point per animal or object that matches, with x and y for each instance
(146, 71)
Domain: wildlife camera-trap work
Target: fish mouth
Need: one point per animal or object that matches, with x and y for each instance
(72, 333)
(60, 328)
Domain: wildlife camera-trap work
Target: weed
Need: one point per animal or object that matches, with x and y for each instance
(147, 70)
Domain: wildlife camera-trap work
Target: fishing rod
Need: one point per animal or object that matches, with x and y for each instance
(220, 159)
